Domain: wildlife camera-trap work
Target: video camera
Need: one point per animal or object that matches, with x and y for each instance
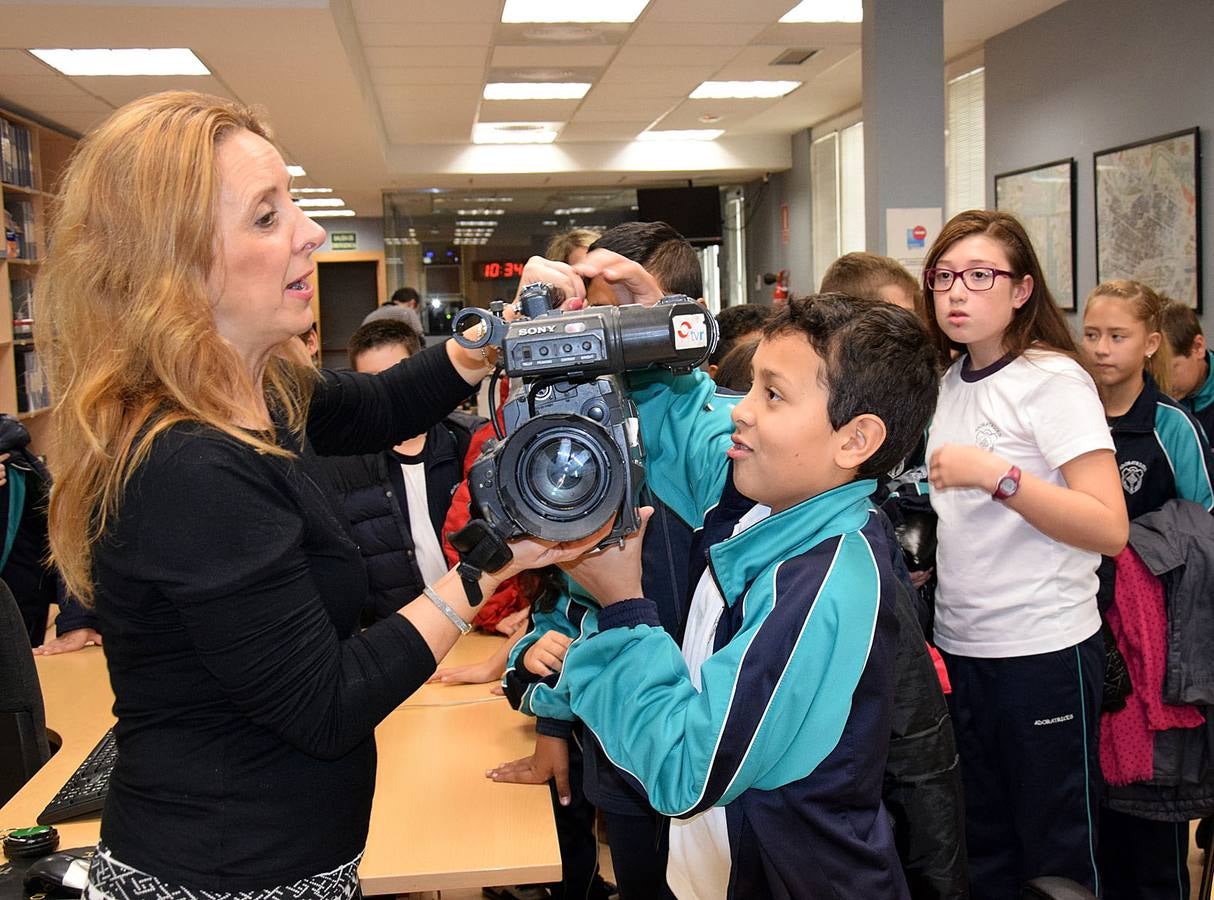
(571, 456)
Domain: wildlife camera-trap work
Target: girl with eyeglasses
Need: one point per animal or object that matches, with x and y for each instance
(1025, 483)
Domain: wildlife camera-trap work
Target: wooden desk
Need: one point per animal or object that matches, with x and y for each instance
(436, 822)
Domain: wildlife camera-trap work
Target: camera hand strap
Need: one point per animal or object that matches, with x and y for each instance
(481, 549)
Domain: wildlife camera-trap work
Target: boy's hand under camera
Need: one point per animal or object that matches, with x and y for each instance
(549, 761)
(613, 574)
(546, 656)
(957, 466)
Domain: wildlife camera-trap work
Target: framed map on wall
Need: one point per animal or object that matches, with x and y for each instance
(1043, 199)
(1148, 215)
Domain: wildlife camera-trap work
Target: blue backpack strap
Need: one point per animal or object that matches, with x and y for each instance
(16, 506)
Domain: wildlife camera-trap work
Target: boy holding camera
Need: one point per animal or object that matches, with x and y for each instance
(765, 733)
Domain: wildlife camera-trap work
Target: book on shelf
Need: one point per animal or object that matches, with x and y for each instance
(33, 390)
(19, 229)
(8, 152)
(16, 154)
(22, 295)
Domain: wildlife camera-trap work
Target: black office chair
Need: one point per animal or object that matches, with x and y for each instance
(23, 743)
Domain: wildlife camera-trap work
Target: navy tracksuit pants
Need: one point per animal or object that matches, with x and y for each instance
(1026, 733)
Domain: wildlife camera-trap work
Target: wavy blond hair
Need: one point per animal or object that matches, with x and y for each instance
(124, 322)
(1147, 307)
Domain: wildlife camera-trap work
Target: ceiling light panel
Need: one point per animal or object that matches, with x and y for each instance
(299, 190)
(132, 61)
(480, 212)
(329, 213)
(296, 171)
(572, 10)
(743, 90)
(319, 202)
(536, 90)
(825, 11)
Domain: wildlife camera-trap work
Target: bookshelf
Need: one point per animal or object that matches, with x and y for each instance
(32, 157)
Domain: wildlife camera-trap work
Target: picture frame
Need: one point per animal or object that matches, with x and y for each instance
(1042, 197)
(1148, 214)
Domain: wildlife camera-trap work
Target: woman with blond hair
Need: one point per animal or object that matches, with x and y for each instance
(188, 508)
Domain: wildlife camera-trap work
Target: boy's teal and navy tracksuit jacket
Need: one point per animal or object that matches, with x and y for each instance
(790, 729)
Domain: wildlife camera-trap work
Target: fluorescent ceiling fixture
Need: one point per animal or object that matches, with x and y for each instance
(572, 10)
(476, 223)
(329, 213)
(311, 190)
(480, 212)
(513, 133)
(536, 90)
(320, 201)
(825, 11)
(689, 134)
(574, 211)
(134, 61)
(296, 171)
(743, 90)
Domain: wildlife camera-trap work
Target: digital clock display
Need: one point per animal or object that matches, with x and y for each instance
(498, 270)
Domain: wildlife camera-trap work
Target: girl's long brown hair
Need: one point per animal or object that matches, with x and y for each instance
(1038, 322)
(124, 321)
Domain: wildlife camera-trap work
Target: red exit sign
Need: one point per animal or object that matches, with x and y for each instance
(497, 270)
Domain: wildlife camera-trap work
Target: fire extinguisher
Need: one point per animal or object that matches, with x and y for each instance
(779, 293)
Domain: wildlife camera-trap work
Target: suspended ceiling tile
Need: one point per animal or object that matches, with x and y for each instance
(758, 11)
(19, 62)
(680, 79)
(384, 34)
(526, 110)
(649, 33)
(551, 56)
(394, 95)
(120, 90)
(415, 55)
(602, 131)
(630, 55)
(427, 11)
(406, 74)
(809, 34)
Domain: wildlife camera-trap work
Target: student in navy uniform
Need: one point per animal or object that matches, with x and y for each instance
(1022, 471)
(1162, 455)
(765, 733)
(1192, 363)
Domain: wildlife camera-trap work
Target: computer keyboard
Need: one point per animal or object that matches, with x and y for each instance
(84, 793)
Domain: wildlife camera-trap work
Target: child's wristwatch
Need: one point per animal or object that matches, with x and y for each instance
(1007, 485)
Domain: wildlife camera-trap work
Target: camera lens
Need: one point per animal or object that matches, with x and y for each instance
(564, 472)
(562, 477)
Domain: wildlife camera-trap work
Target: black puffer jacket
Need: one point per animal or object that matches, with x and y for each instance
(372, 493)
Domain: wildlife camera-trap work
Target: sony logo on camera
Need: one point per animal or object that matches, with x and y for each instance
(570, 458)
(536, 329)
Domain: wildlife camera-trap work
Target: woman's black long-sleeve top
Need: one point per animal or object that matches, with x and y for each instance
(228, 592)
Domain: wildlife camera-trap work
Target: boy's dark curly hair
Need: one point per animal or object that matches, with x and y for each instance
(878, 360)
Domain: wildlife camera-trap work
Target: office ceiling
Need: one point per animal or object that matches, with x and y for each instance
(372, 95)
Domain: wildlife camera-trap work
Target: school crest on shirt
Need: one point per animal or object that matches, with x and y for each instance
(986, 434)
(1132, 472)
